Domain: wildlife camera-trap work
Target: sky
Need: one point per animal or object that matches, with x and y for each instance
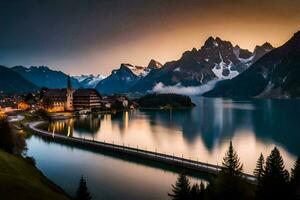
(95, 36)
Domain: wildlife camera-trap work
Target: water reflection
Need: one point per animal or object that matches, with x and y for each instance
(203, 132)
(105, 174)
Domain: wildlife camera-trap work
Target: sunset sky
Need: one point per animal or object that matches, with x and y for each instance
(95, 36)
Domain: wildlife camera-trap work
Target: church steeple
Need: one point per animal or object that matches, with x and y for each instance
(69, 85)
(69, 102)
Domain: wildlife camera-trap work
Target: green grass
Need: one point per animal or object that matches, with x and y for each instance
(21, 180)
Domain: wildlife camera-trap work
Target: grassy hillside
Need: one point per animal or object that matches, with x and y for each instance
(21, 180)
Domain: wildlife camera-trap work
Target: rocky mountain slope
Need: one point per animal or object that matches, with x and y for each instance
(122, 79)
(275, 75)
(215, 60)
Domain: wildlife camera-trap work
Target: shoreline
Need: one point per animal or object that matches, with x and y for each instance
(172, 160)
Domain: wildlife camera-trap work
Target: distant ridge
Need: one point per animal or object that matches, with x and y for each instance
(122, 79)
(43, 76)
(12, 82)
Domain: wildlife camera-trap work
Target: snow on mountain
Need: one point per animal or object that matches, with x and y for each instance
(119, 80)
(43, 76)
(81, 77)
(216, 60)
(137, 70)
(89, 81)
(274, 75)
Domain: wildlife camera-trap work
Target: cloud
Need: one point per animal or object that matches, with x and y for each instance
(179, 89)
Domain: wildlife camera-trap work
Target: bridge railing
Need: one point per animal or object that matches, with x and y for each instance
(184, 161)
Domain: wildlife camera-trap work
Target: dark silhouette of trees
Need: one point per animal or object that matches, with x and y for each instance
(231, 162)
(43, 114)
(47, 103)
(274, 180)
(295, 179)
(10, 141)
(229, 183)
(197, 191)
(6, 136)
(82, 191)
(181, 189)
(259, 170)
(165, 100)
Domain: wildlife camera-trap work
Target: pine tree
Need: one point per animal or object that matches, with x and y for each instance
(295, 179)
(181, 189)
(197, 191)
(202, 187)
(259, 170)
(295, 172)
(274, 179)
(231, 162)
(229, 184)
(82, 191)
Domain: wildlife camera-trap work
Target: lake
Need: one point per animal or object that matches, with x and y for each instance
(202, 133)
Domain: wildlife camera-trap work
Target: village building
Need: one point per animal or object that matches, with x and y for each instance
(67, 99)
(86, 99)
(60, 99)
(23, 105)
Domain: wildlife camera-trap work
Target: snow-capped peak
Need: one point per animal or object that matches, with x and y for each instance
(89, 81)
(142, 71)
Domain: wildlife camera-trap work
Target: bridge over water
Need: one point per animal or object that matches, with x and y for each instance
(140, 153)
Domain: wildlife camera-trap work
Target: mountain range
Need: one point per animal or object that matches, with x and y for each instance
(123, 79)
(44, 77)
(215, 60)
(12, 82)
(89, 81)
(237, 72)
(275, 75)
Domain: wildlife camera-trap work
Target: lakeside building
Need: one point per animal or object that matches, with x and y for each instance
(86, 99)
(61, 99)
(68, 99)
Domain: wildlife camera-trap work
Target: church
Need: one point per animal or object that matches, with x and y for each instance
(68, 99)
(61, 99)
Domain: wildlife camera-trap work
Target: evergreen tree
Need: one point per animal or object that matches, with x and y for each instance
(181, 189)
(259, 170)
(229, 184)
(197, 191)
(231, 162)
(275, 178)
(82, 191)
(295, 172)
(295, 179)
(202, 187)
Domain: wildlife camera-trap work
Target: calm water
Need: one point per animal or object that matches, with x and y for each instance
(201, 133)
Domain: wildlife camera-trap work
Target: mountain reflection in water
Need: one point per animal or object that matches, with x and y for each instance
(203, 132)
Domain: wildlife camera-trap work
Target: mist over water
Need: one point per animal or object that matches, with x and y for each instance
(185, 90)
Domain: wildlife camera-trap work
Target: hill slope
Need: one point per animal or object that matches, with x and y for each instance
(44, 77)
(12, 82)
(20, 180)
